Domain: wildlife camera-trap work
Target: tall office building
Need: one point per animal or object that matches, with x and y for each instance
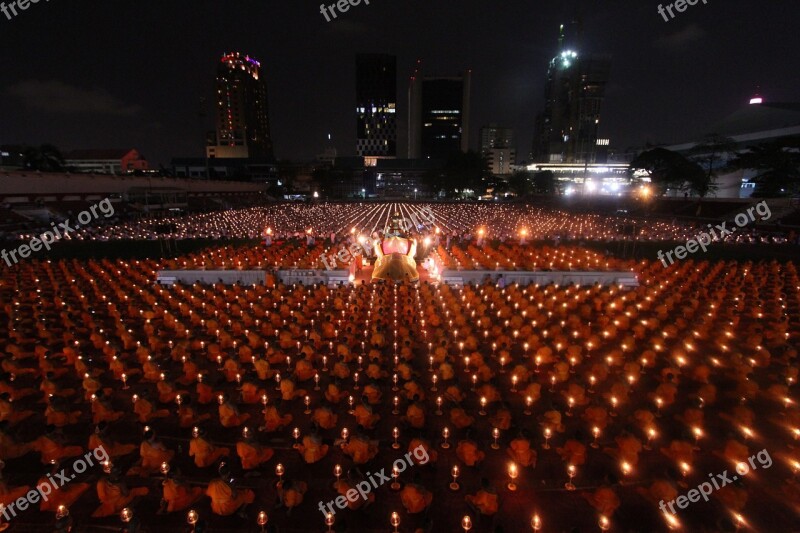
(242, 110)
(439, 115)
(567, 129)
(497, 146)
(376, 106)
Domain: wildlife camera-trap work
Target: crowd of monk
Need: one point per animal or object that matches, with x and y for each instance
(198, 392)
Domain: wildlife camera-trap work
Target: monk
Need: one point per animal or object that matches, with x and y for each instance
(415, 498)
(178, 495)
(153, 453)
(51, 449)
(430, 452)
(65, 495)
(187, 414)
(205, 454)
(520, 451)
(57, 414)
(273, 420)
(360, 449)
(574, 451)
(290, 494)
(225, 498)
(364, 416)
(312, 448)
(229, 415)
(101, 439)
(251, 453)
(102, 411)
(486, 501)
(114, 494)
(9, 414)
(144, 410)
(604, 500)
(468, 452)
(344, 485)
(415, 415)
(324, 417)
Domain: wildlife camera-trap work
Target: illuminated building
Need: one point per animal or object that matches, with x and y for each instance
(497, 146)
(242, 110)
(566, 131)
(376, 105)
(439, 115)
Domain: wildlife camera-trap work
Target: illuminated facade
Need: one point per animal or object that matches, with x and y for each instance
(439, 115)
(567, 129)
(376, 105)
(242, 110)
(497, 146)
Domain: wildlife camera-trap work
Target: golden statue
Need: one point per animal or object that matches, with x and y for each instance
(395, 254)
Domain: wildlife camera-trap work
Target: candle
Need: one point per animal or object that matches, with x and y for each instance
(483, 405)
(395, 434)
(547, 434)
(512, 474)
(596, 433)
(571, 471)
(454, 472)
(495, 436)
(445, 435)
(466, 523)
(536, 523)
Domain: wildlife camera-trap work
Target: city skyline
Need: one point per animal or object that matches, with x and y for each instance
(93, 96)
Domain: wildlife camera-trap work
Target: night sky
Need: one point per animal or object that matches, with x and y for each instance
(116, 74)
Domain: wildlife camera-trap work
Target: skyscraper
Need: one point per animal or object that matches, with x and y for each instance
(497, 146)
(376, 105)
(439, 115)
(566, 131)
(242, 110)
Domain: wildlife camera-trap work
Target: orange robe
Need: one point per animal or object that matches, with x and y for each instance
(229, 418)
(224, 500)
(521, 453)
(573, 453)
(179, 496)
(365, 418)
(253, 455)
(469, 454)
(415, 498)
(312, 449)
(273, 419)
(65, 495)
(112, 449)
(52, 451)
(152, 457)
(485, 501)
(113, 497)
(205, 454)
(360, 450)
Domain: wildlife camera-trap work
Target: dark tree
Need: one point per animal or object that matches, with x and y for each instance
(670, 170)
(777, 165)
(45, 158)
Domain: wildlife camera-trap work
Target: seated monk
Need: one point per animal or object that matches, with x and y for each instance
(520, 451)
(485, 501)
(225, 499)
(114, 495)
(153, 453)
(205, 454)
(144, 410)
(627, 450)
(290, 494)
(229, 415)
(415, 498)
(102, 411)
(324, 417)
(178, 495)
(304, 369)
(344, 485)
(251, 394)
(372, 392)
(360, 449)
(422, 444)
(273, 420)
(101, 439)
(57, 414)
(251, 453)
(262, 368)
(574, 451)
(460, 418)
(312, 448)
(187, 415)
(9, 495)
(468, 452)
(364, 416)
(415, 415)
(51, 449)
(501, 419)
(604, 500)
(288, 392)
(65, 495)
(168, 390)
(334, 392)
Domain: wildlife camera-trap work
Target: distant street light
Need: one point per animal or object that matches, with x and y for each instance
(415, 194)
